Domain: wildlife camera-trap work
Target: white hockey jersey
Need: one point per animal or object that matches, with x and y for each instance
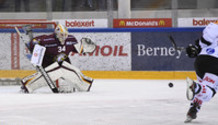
(210, 34)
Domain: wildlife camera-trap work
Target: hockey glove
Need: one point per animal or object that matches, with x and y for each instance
(192, 50)
(88, 45)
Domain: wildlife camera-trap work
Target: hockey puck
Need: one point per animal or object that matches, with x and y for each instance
(170, 84)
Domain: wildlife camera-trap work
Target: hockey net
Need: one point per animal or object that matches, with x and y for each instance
(12, 43)
(43, 24)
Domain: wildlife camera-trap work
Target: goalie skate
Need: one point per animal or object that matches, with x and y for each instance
(190, 92)
(23, 88)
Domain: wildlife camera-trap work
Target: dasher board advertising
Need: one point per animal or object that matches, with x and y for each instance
(84, 23)
(196, 21)
(153, 51)
(141, 23)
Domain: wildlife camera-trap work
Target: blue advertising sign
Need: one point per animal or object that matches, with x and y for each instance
(153, 51)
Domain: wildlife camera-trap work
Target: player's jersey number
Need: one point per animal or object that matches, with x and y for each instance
(61, 48)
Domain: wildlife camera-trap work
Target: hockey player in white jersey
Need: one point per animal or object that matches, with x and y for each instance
(205, 50)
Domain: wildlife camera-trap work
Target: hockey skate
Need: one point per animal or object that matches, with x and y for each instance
(23, 88)
(192, 112)
(191, 85)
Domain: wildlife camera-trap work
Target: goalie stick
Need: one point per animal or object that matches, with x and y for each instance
(40, 68)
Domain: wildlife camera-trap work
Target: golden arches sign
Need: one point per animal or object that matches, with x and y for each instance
(122, 23)
(161, 23)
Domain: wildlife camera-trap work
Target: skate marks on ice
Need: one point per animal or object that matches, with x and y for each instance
(110, 102)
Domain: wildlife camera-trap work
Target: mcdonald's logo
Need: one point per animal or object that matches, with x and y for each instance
(161, 23)
(122, 23)
(153, 22)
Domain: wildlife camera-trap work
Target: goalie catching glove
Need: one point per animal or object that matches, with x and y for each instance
(85, 45)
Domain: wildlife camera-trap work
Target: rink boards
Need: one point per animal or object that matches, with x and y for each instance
(112, 74)
(120, 54)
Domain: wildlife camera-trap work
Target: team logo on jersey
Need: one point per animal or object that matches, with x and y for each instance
(210, 51)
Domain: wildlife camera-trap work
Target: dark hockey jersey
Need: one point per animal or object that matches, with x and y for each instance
(55, 51)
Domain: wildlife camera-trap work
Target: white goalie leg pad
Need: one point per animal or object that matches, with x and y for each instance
(77, 70)
(54, 71)
(64, 86)
(76, 77)
(37, 81)
(33, 82)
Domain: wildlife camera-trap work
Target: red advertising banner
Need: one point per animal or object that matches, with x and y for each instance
(141, 23)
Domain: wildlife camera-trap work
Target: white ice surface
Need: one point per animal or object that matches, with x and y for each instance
(110, 102)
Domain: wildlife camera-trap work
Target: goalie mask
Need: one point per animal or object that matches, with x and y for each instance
(61, 33)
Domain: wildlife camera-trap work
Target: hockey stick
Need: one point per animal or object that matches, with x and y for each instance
(175, 45)
(178, 49)
(40, 68)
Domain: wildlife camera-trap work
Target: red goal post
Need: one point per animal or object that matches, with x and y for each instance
(35, 23)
